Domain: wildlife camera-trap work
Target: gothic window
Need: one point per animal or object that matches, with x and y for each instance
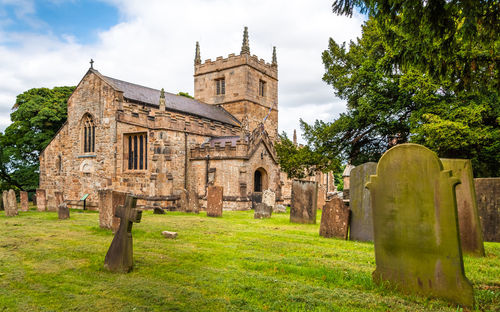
(262, 88)
(88, 134)
(136, 147)
(220, 86)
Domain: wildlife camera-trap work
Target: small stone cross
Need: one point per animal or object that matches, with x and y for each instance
(92, 63)
(120, 254)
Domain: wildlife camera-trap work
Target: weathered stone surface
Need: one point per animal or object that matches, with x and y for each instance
(158, 210)
(471, 236)
(51, 203)
(193, 203)
(214, 201)
(59, 196)
(256, 199)
(269, 198)
(11, 208)
(262, 211)
(417, 244)
(182, 203)
(488, 202)
(279, 209)
(41, 200)
(63, 211)
(23, 198)
(304, 200)
(346, 176)
(120, 256)
(334, 219)
(168, 234)
(5, 199)
(109, 200)
(361, 227)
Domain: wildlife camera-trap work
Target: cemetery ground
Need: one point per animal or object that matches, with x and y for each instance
(233, 263)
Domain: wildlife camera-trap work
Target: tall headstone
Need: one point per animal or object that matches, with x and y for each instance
(120, 256)
(11, 208)
(193, 203)
(63, 211)
(182, 203)
(488, 202)
(109, 200)
(361, 228)
(51, 202)
(5, 200)
(214, 201)
(23, 197)
(471, 236)
(417, 243)
(41, 200)
(334, 219)
(269, 198)
(304, 201)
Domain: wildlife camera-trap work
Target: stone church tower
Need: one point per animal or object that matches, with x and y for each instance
(245, 86)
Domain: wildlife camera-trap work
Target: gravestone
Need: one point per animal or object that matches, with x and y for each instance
(262, 211)
(471, 236)
(41, 200)
(321, 197)
(5, 200)
(488, 203)
(279, 209)
(63, 211)
(304, 199)
(214, 201)
(169, 234)
(417, 243)
(120, 257)
(334, 219)
(59, 196)
(11, 208)
(269, 198)
(193, 202)
(158, 210)
(51, 203)
(256, 199)
(23, 197)
(182, 203)
(109, 200)
(361, 227)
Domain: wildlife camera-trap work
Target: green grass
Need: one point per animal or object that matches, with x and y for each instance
(234, 263)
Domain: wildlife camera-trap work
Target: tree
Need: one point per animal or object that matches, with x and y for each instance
(37, 115)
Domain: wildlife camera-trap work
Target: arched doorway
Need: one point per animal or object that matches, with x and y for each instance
(260, 180)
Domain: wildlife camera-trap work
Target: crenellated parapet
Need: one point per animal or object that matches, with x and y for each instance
(232, 61)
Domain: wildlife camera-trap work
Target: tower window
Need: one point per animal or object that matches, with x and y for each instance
(220, 86)
(88, 134)
(137, 147)
(262, 88)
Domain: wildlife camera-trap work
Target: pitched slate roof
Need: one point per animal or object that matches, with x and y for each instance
(174, 102)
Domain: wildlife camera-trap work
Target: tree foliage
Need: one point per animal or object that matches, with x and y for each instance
(37, 115)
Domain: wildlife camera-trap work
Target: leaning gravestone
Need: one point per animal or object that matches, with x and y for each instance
(214, 201)
(488, 202)
(63, 211)
(5, 201)
(471, 236)
(269, 198)
(41, 200)
(11, 208)
(361, 227)
(109, 200)
(23, 196)
(334, 219)
(417, 243)
(304, 199)
(262, 211)
(120, 257)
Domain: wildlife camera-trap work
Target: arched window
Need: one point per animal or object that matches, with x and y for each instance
(88, 134)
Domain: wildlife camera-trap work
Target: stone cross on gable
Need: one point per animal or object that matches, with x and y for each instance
(120, 254)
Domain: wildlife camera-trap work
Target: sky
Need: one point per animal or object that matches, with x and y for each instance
(49, 43)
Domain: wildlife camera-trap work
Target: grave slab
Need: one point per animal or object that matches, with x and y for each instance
(41, 200)
(23, 196)
(63, 211)
(11, 208)
(214, 201)
(334, 219)
(109, 200)
(361, 227)
(488, 202)
(262, 211)
(304, 201)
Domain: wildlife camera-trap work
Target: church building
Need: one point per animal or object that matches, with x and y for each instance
(126, 137)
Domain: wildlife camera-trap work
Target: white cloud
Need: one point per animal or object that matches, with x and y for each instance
(154, 44)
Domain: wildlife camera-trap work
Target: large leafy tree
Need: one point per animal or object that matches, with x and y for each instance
(37, 115)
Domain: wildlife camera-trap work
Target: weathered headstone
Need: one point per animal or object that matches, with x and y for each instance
(182, 203)
(41, 200)
(346, 176)
(214, 201)
(269, 198)
(168, 234)
(120, 257)
(279, 209)
(304, 200)
(193, 202)
(59, 196)
(23, 197)
(63, 211)
(51, 203)
(417, 243)
(321, 197)
(158, 210)
(262, 211)
(361, 227)
(11, 208)
(109, 200)
(5, 200)
(471, 236)
(488, 203)
(334, 219)
(256, 198)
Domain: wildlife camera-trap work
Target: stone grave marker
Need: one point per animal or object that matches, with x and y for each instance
(109, 200)
(256, 198)
(23, 196)
(471, 236)
(262, 211)
(269, 198)
(417, 243)
(11, 208)
(158, 210)
(304, 200)
(193, 202)
(63, 211)
(214, 201)
(59, 196)
(169, 234)
(361, 225)
(279, 209)
(321, 197)
(5, 200)
(488, 202)
(334, 219)
(120, 257)
(182, 203)
(41, 200)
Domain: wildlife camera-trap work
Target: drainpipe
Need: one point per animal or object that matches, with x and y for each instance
(185, 158)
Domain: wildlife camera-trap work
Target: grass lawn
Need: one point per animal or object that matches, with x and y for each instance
(233, 263)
